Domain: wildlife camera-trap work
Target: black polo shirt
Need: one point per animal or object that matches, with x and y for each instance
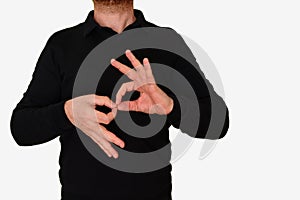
(39, 117)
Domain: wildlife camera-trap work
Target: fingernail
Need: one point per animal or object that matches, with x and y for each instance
(127, 51)
(112, 60)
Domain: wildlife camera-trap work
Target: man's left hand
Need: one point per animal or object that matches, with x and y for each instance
(152, 99)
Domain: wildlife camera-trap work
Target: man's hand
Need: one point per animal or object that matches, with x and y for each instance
(82, 113)
(152, 99)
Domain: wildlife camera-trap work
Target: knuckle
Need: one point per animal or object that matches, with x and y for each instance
(108, 120)
(105, 122)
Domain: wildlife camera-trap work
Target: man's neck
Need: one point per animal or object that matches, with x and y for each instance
(115, 17)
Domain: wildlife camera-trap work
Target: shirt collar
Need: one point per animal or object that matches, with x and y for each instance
(90, 24)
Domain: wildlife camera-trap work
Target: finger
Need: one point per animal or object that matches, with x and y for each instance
(125, 87)
(130, 73)
(101, 139)
(114, 112)
(105, 150)
(111, 150)
(134, 61)
(111, 115)
(114, 139)
(104, 101)
(103, 118)
(128, 106)
(98, 142)
(148, 70)
(94, 132)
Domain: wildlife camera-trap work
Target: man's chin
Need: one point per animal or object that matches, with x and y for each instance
(114, 2)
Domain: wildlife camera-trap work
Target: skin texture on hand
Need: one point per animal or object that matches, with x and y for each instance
(152, 99)
(82, 113)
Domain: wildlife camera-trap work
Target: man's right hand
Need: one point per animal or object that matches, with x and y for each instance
(82, 113)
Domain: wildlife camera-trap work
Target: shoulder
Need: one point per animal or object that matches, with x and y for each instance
(66, 35)
(150, 24)
(168, 30)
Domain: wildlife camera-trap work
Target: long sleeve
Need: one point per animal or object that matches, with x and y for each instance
(39, 116)
(212, 117)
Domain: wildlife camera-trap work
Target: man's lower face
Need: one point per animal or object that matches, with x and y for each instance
(114, 2)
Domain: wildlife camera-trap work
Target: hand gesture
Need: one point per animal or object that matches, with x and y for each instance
(152, 99)
(82, 114)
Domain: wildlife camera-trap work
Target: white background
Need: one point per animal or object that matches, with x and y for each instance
(255, 46)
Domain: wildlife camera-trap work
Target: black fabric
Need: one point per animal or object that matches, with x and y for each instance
(39, 117)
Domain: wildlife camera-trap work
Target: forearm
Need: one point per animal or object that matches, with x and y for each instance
(32, 125)
(204, 118)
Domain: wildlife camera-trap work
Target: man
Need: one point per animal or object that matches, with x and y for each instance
(47, 109)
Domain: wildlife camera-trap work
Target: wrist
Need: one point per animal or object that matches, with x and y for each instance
(68, 110)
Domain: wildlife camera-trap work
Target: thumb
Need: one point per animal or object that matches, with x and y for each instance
(128, 106)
